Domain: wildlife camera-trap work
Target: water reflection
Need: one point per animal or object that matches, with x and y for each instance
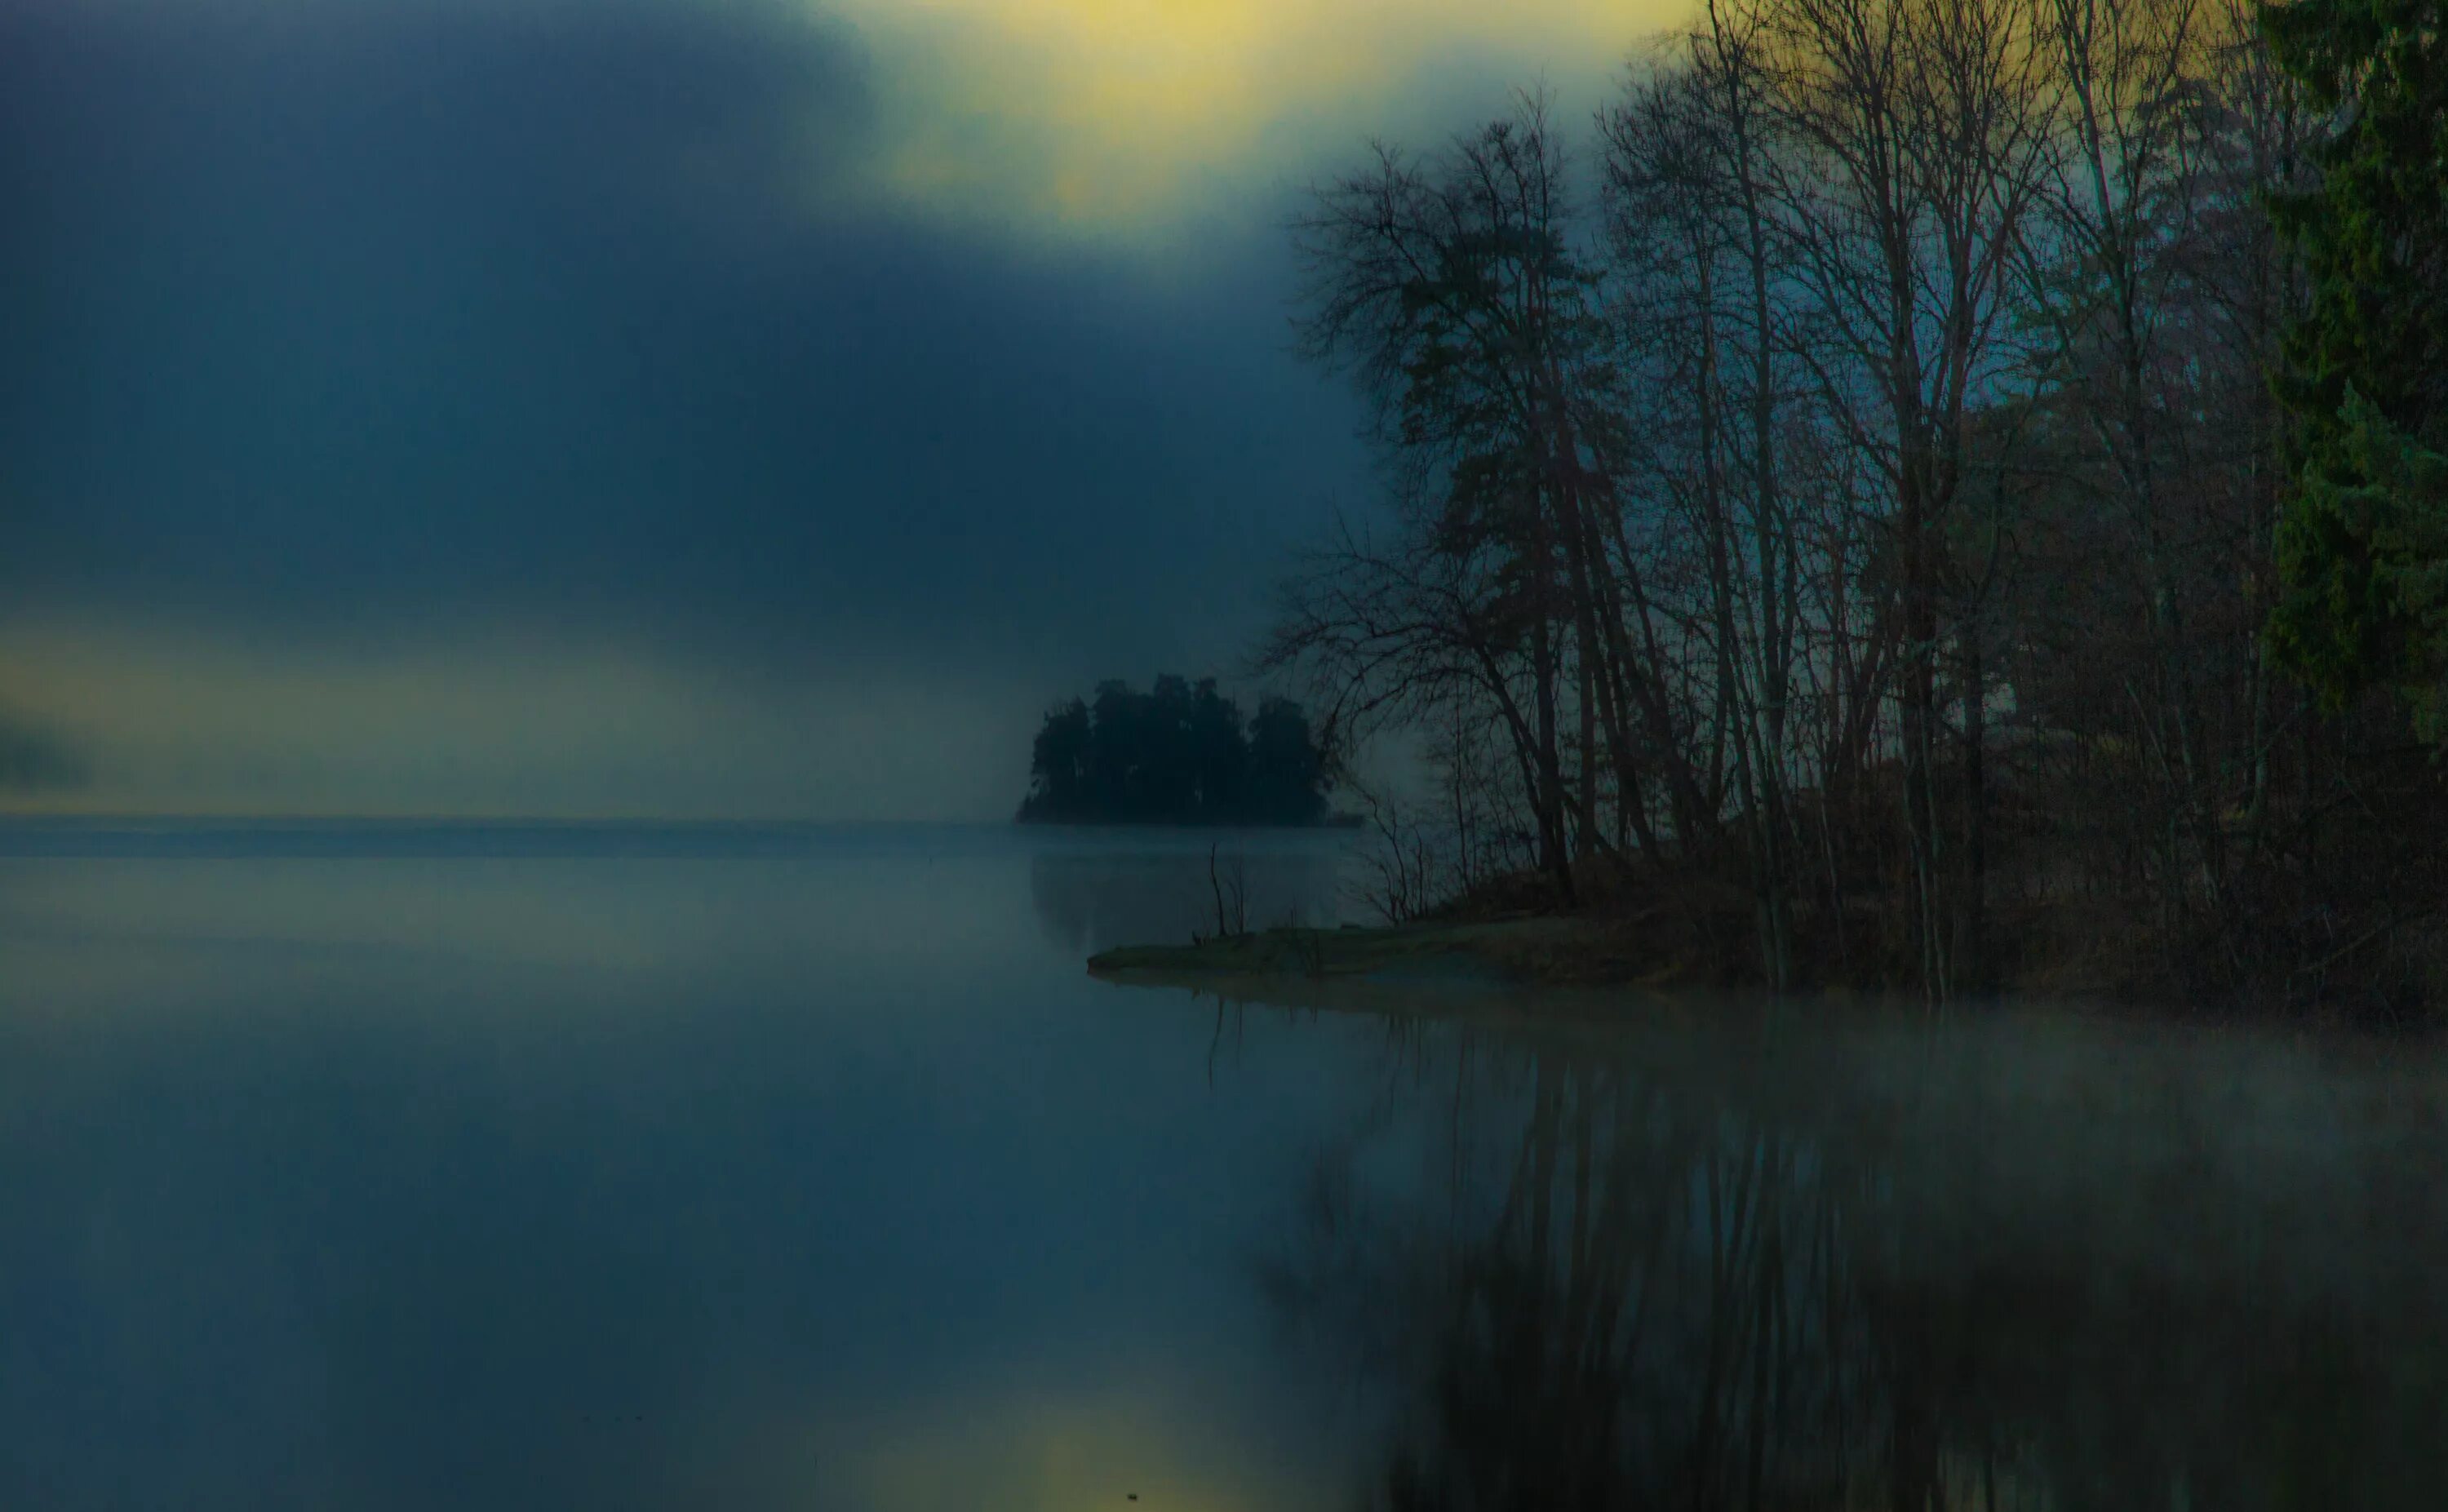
(2013, 1265)
(1093, 899)
(810, 1170)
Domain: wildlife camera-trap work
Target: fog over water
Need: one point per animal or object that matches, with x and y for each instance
(405, 1166)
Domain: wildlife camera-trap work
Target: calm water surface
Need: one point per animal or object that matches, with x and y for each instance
(409, 1167)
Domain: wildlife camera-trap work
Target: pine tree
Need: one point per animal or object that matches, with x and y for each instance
(2363, 537)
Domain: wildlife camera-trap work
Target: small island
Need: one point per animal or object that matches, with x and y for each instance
(1179, 753)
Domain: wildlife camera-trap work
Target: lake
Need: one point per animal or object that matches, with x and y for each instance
(408, 1166)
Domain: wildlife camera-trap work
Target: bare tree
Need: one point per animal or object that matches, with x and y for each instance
(1872, 478)
(1451, 287)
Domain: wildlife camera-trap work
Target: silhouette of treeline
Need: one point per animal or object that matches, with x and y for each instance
(1179, 754)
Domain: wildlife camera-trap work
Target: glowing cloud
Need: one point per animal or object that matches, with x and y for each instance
(1115, 115)
(498, 721)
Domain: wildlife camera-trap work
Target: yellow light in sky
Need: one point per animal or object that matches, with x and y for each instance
(1122, 115)
(1019, 1449)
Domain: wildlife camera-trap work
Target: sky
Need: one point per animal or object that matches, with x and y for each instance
(666, 408)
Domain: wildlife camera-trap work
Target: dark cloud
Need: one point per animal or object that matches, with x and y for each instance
(342, 319)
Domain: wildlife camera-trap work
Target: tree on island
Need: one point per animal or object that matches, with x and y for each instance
(1179, 754)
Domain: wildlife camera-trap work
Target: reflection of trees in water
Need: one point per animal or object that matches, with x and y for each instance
(1866, 1283)
(1091, 900)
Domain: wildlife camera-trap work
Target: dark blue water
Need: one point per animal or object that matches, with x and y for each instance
(409, 1167)
(414, 1167)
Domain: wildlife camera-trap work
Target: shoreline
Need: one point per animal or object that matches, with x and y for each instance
(1579, 966)
(1534, 951)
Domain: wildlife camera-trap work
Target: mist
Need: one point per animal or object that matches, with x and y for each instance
(432, 407)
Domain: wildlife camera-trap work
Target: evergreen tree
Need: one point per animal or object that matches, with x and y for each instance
(1219, 754)
(1059, 762)
(1287, 771)
(2360, 543)
(1177, 754)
